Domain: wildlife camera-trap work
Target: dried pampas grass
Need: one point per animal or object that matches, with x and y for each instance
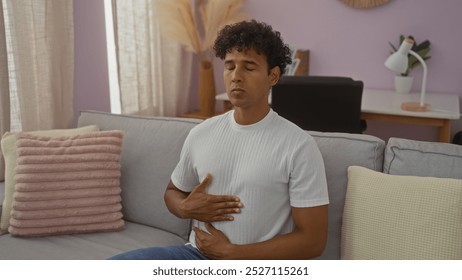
(218, 13)
(179, 23)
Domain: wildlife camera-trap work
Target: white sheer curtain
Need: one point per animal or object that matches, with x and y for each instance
(36, 65)
(154, 75)
(4, 89)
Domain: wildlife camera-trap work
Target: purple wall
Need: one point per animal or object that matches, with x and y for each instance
(354, 42)
(342, 41)
(91, 83)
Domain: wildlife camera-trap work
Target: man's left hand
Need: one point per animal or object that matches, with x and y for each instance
(214, 244)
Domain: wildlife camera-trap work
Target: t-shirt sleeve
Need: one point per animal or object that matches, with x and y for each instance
(184, 176)
(307, 181)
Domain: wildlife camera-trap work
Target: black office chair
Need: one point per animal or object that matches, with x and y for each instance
(320, 103)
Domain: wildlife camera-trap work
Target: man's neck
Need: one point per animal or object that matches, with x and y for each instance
(250, 116)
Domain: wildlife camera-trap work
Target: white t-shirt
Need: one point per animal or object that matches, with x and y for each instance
(271, 166)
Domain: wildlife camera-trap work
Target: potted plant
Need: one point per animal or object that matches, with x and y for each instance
(403, 83)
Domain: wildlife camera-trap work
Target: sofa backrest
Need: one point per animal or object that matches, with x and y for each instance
(422, 158)
(339, 151)
(151, 149)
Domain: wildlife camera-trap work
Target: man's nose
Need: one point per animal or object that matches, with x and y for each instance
(237, 75)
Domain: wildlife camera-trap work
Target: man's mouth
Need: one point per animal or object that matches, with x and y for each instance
(237, 90)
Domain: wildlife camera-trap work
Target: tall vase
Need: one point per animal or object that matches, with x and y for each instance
(206, 89)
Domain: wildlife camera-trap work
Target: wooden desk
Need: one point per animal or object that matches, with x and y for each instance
(383, 105)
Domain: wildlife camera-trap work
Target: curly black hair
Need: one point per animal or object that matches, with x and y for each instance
(255, 35)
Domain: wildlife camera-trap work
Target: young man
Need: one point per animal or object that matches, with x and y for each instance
(253, 182)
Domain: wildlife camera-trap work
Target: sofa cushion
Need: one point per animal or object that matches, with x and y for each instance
(67, 185)
(419, 158)
(339, 151)
(150, 152)
(91, 246)
(8, 145)
(401, 217)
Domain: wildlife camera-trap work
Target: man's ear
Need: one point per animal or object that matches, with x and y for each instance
(274, 75)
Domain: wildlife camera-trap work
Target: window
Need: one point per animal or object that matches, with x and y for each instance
(114, 89)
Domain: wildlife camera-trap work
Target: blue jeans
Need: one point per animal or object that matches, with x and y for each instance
(182, 252)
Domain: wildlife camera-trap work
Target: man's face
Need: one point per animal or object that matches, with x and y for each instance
(247, 80)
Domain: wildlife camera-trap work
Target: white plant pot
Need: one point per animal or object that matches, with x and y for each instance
(403, 84)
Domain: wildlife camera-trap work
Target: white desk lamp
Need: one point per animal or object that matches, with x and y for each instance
(398, 62)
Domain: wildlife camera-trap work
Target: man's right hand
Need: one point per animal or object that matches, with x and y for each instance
(205, 207)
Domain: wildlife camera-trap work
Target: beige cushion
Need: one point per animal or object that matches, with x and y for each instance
(8, 145)
(67, 184)
(401, 217)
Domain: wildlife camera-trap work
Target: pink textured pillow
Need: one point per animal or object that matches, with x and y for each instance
(67, 185)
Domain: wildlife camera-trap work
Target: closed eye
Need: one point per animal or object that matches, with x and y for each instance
(229, 66)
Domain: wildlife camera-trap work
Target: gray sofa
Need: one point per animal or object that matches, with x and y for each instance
(150, 151)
